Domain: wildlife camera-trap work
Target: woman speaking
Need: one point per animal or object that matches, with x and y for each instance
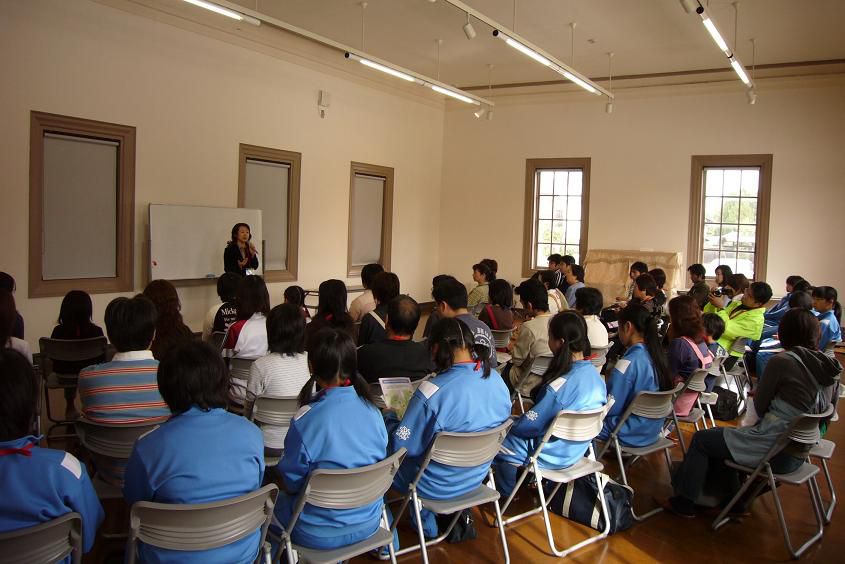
(240, 255)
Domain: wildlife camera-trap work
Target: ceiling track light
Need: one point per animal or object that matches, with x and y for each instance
(469, 31)
(217, 9)
(711, 28)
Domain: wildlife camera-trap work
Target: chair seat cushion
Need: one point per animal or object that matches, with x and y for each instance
(804, 472)
(583, 467)
(695, 415)
(708, 398)
(503, 358)
(481, 495)
(380, 538)
(824, 449)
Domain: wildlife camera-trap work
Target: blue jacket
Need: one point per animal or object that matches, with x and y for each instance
(336, 430)
(43, 486)
(580, 389)
(633, 373)
(197, 457)
(831, 332)
(777, 311)
(458, 400)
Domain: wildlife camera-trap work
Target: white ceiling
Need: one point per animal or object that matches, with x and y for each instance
(647, 36)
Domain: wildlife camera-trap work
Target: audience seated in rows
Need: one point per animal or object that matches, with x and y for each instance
(451, 298)
(222, 315)
(365, 303)
(742, 319)
(699, 291)
(637, 268)
(560, 265)
(385, 287)
(532, 340)
(497, 314)
(331, 311)
(588, 303)
(825, 302)
(170, 329)
(295, 295)
(556, 299)
(247, 337)
(688, 349)
(574, 282)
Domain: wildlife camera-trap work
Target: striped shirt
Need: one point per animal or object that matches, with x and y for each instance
(277, 376)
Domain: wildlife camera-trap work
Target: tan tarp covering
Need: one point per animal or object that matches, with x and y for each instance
(607, 270)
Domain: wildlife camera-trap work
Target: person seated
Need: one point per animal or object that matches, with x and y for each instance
(482, 275)
(492, 265)
(295, 295)
(687, 348)
(532, 340)
(773, 316)
(659, 276)
(282, 372)
(798, 381)
(247, 337)
(497, 315)
(763, 351)
(466, 396)
(170, 329)
(556, 299)
(777, 311)
(574, 281)
(451, 299)
(647, 294)
(434, 316)
(398, 356)
(634, 272)
(7, 283)
(743, 319)
(221, 316)
(721, 275)
(571, 383)
(699, 290)
(201, 454)
(39, 484)
(588, 304)
(365, 303)
(8, 311)
(738, 284)
(315, 440)
(643, 368)
(714, 326)
(825, 302)
(385, 288)
(331, 311)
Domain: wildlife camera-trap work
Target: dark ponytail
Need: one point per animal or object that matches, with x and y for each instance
(450, 334)
(333, 355)
(648, 324)
(829, 294)
(572, 328)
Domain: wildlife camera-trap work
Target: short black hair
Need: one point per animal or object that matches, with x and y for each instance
(697, 269)
(369, 272)
(403, 315)
(588, 301)
(533, 292)
(76, 309)
(555, 258)
(548, 277)
(501, 293)
(567, 259)
(802, 286)
(491, 264)
(131, 323)
(252, 297)
(639, 266)
(294, 295)
(799, 328)
(646, 283)
(761, 292)
(451, 292)
(192, 373)
(578, 272)
(286, 330)
(659, 276)
(7, 282)
(801, 299)
(18, 395)
(794, 279)
(385, 287)
(227, 286)
(485, 271)
(713, 325)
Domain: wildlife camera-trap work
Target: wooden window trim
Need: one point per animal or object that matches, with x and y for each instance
(764, 195)
(531, 203)
(386, 214)
(294, 161)
(124, 136)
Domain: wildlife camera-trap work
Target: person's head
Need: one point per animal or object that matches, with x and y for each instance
(588, 301)
(757, 295)
(555, 260)
(451, 341)
(252, 297)
(714, 326)
(568, 342)
(403, 316)
(791, 281)
(131, 323)
(440, 278)
(659, 276)
(575, 274)
(7, 282)
(547, 277)
(637, 268)
(723, 271)
(76, 309)
(801, 299)
(638, 325)
(799, 328)
(368, 273)
(738, 282)
(501, 293)
(685, 316)
(332, 298)
(192, 374)
(802, 286)
(241, 233)
(333, 361)
(8, 314)
(533, 296)
(385, 287)
(697, 272)
(826, 298)
(18, 395)
(227, 286)
(492, 264)
(286, 330)
(164, 296)
(567, 261)
(294, 295)
(451, 297)
(645, 287)
(482, 274)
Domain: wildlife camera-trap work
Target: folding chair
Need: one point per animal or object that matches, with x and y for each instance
(572, 426)
(48, 542)
(273, 412)
(824, 452)
(538, 367)
(739, 372)
(501, 338)
(66, 351)
(599, 356)
(650, 405)
(695, 383)
(238, 370)
(803, 429)
(201, 526)
(217, 339)
(830, 349)
(708, 399)
(462, 450)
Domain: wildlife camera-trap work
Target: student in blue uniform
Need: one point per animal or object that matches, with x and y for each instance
(201, 454)
(38, 484)
(570, 383)
(771, 319)
(643, 368)
(339, 427)
(830, 315)
(465, 396)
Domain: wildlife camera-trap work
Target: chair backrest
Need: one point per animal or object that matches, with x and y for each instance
(830, 349)
(696, 381)
(579, 425)
(200, 526)
(501, 337)
(112, 441)
(541, 364)
(599, 356)
(653, 405)
(70, 350)
(715, 367)
(239, 367)
(217, 339)
(466, 450)
(805, 428)
(277, 412)
(739, 344)
(47, 542)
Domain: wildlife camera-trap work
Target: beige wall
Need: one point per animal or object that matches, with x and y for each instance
(641, 169)
(193, 99)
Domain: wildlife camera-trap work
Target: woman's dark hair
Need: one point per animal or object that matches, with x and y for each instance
(18, 395)
(588, 301)
(659, 276)
(131, 323)
(332, 354)
(793, 280)
(227, 286)
(801, 299)
(640, 267)
(799, 328)
(235, 229)
(501, 293)
(698, 270)
(294, 295)
(829, 294)
(252, 297)
(451, 292)
(8, 314)
(191, 373)
(714, 326)
(385, 287)
(577, 272)
(286, 330)
(726, 272)
(685, 316)
(492, 265)
(332, 298)
(646, 324)
(369, 272)
(802, 286)
(547, 277)
(450, 334)
(646, 283)
(485, 271)
(7, 282)
(76, 309)
(534, 293)
(739, 282)
(572, 328)
(170, 327)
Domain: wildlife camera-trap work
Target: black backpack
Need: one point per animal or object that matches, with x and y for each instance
(727, 406)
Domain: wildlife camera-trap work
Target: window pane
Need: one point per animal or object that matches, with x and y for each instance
(575, 182)
(729, 237)
(560, 182)
(730, 210)
(748, 210)
(711, 261)
(573, 232)
(544, 231)
(711, 235)
(367, 204)
(729, 259)
(732, 180)
(574, 250)
(543, 251)
(745, 264)
(712, 182)
(266, 189)
(712, 210)
(573, 210)
(747, 237)
(750, 182)
(545, 211)
(557, 249)
(558, 232)
(546, 181)
(560, 207)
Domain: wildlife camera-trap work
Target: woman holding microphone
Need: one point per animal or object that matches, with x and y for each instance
(240, 254)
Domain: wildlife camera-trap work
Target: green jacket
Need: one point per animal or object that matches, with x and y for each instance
(747, 323)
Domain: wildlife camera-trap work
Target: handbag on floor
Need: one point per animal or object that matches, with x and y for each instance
(579, 501)
(727, 406)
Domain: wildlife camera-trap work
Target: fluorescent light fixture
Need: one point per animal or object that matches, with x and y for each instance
(224, 11)
(578, 81)
(714, 33)
(526, 51)
(453, 94)
(388, 70)
(740, 71)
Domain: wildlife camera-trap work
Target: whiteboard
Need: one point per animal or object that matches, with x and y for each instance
(187, 242)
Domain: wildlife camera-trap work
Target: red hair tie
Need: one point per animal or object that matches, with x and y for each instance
(26, 451)
(347, 382)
